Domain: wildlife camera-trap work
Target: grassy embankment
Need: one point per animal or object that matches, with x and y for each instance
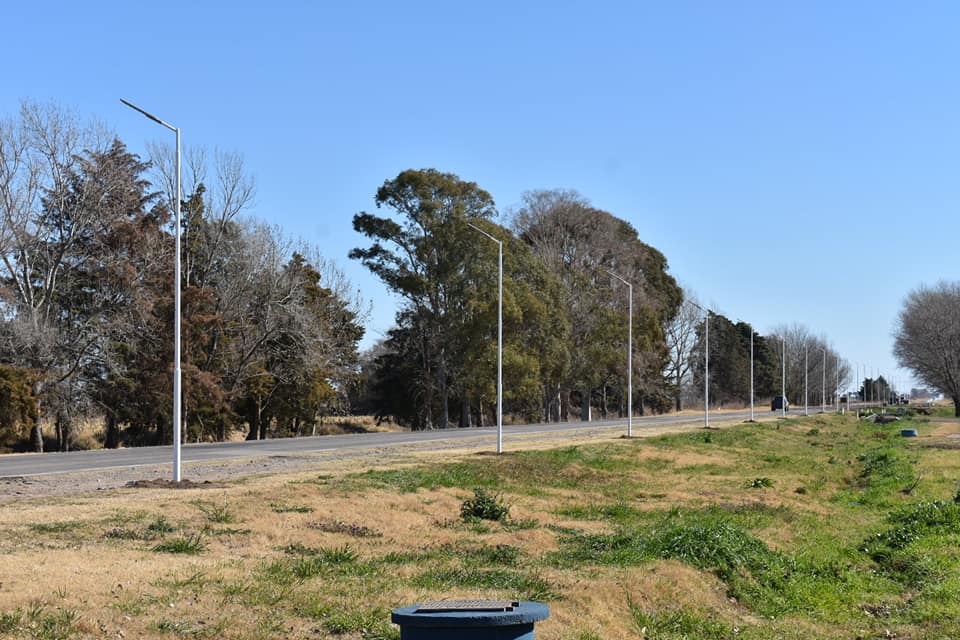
(823, 527)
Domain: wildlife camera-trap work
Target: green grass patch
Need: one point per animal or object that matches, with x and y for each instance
(515, 583)
(160, 526)
(40, 623)
(680, 624)
(311, 562)
(66, 526)
(189, 545)
(216, 513)
(368, 624)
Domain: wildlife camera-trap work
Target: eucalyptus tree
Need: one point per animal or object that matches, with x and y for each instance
(535, 328)
(580, 245)
(418, 253)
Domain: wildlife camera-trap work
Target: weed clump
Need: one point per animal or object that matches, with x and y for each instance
(484, 506)
(190, 545)
(160, 525)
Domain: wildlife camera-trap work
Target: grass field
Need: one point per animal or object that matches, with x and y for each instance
(819, 527)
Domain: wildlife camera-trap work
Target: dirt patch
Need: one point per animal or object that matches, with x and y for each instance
(945, 428)
(158, 483)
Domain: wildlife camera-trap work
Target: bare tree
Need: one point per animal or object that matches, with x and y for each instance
(44, 222)
(815, 371)
(681, 335)
(927, 338)
(219, 202)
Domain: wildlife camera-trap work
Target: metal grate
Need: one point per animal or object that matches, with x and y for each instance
(438, 606)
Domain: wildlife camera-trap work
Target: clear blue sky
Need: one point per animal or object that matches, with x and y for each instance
(795, 161)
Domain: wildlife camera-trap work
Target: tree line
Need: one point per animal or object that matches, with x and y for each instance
(270, 329)
(565, 324)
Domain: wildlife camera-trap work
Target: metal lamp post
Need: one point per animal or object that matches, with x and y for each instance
(751, 374)
(783, 378)
(629, 354)
(836, 385)
(706, 372)
(806, 374)
(176, 301)
(823, 390)
(499, 335)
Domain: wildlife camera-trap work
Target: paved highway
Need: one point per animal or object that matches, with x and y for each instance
(28, 464)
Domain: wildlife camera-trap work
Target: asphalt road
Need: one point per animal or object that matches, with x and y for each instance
(30, 464)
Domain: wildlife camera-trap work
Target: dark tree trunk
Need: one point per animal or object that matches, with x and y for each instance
(603, 401)
(547, 403)
(161, 439)
(255, 418)
(956, 406)
(585, 406)
(112, 439)
(465, 413)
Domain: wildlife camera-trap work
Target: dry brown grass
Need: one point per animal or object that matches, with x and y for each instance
(57, 552)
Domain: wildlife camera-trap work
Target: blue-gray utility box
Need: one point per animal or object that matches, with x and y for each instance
(470, 620)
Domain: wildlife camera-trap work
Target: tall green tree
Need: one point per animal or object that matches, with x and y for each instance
(580, 245)
(417, 253)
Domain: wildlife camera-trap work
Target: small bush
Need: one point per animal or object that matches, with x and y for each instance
(760, 483)
(483, 506)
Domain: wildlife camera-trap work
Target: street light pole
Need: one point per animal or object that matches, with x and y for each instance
(806, 373)
(783, 378)
(499, 336)
(629, 354)
(836, 392)
(176, 301)
(751, 374)
(823, 391)
(706, 375)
